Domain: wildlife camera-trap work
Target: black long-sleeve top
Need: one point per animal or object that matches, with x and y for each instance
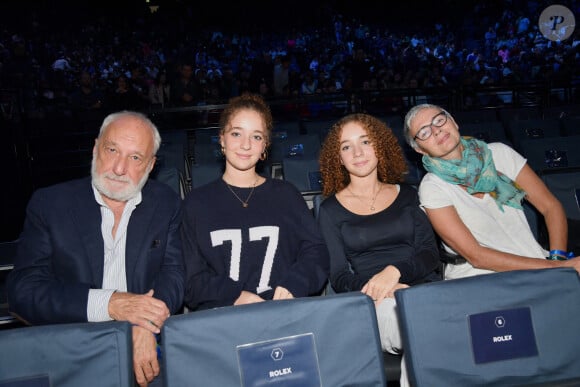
(362, 245)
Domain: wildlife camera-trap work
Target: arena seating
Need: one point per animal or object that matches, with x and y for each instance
(68, 355)
(456, 335)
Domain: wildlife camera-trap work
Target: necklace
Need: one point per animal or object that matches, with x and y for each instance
(244, 202)
(372, 208)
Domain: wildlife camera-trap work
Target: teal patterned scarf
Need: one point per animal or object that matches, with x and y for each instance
(476, 171)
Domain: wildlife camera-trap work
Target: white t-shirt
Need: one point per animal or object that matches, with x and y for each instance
(506, 231)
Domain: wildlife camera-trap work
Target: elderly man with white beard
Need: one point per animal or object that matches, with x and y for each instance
(105, 247)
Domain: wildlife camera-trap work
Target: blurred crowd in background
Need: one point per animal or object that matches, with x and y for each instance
(168, 55)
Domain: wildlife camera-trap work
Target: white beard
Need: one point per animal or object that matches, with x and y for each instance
(121, 195)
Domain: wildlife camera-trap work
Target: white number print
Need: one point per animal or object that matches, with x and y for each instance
(218, 237)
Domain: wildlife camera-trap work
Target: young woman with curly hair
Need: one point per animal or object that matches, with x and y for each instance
(378, 238)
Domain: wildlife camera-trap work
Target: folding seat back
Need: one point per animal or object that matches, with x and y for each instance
(313, 341)
(533, 129)
(67, 355)
(502, 329)
(535, 220)
(509, 115)
(475, 116)
(204, 173)
(173, 151)
(284, 129)
(391, 361)
(207, 153)
(551, 152)
(7, 256)
(304, 173)
(565, 185)
(415, 169)
(172, 177)
(571, 125)
(207, 135)
(301, 146)
(486, 131)
(318, 127)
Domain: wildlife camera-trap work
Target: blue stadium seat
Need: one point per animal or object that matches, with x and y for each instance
(204, 153)
(172, 177)
(174, 152)
(487, 131)
(68, 355)
(478, 331)
(7, 257)
(475, 116)
(304, 145)
(396, 124)
(318, 127)
(304, 173)
(310, 341)
(571, 126)
(512, 114)
(565, 185)
(204, 173)
(283, 129)
(551, 152)
(206, 135)
(532, 129)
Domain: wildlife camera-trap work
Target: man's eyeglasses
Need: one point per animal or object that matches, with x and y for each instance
(426, 131)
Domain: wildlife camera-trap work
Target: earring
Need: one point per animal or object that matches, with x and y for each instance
(264, 155)
(223, 150)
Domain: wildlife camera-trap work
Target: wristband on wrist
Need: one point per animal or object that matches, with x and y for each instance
(560, 255)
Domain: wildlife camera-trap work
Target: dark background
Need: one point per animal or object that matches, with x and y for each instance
(242, 15)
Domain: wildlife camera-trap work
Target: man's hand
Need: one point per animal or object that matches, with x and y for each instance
(139, 309)
(145, 364)
(248, 298)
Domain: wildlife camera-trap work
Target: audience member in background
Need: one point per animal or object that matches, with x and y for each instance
(140, 83)
(378, 237)
(106, 247)
(309, 84)
(183, 90)
(249, 238)
(160, 91)
(123, 96)
(473, 195)
(86, 96)
(281, 75)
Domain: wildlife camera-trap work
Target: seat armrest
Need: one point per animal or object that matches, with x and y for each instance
(450, 258)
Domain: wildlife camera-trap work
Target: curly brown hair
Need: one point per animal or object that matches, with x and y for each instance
(248, 101)
(391, 167)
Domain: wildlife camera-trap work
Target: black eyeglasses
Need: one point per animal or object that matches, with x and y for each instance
(426, 131)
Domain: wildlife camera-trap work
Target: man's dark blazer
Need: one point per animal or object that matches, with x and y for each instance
(61, 252)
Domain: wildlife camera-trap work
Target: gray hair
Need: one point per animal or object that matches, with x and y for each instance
(127, 113)
(411, 114)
